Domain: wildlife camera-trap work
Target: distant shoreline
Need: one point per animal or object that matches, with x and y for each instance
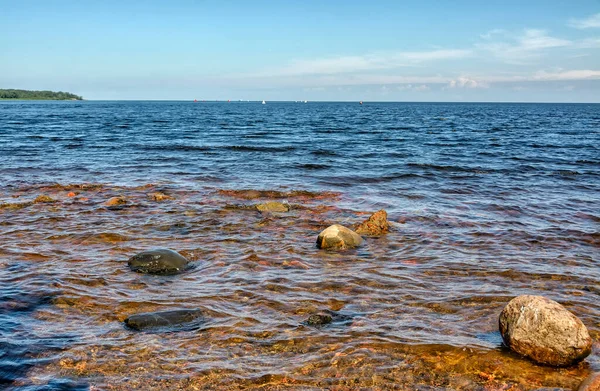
(13, 94)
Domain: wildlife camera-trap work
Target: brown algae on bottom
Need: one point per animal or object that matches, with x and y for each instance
(422, 309)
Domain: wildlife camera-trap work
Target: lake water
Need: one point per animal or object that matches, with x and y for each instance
(486, 202)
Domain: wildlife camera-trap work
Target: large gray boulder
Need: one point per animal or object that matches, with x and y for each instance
(545, 331)
(158, 261)
(338, 237)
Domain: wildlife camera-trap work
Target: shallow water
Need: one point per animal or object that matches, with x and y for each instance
(486, 201)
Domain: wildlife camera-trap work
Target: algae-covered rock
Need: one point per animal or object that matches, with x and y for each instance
(544, 330)
(43, 199)
(273, 206)
(151, 320)
(377, 224)
(160, 196)
(319, 319)
(158, 261)
(338, 237)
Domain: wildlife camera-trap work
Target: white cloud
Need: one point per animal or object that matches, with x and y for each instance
(411, 87)
(466, 82)
(588, 43)
(580, 74)
(585, 23)
(522, 48)
(491, 33)
(368, 62)
(535, 39)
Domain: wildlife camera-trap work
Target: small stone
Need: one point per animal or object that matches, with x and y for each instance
(338, 237)
(319, 319)
(591, 383)
(162, 319)
(158, 261)
(273, 206)
(43, 199)
(375, 225)
(116, 201)
(159, 196)
(544, 330)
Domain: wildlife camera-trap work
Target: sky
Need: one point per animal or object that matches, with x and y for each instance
(335, 50)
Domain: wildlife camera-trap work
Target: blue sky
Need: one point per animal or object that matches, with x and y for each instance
(311, 49)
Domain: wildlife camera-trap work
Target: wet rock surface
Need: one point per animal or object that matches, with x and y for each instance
(544, 331)
(591, 383)
(273, 206)
(375, 225)
(319, 319)
(43, 199)
(338, 237)
(116, 201)
(158, 261)
(160, 196)
(153, 320)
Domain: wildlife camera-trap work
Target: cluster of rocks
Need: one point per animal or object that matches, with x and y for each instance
(339, 237)
(532, 326)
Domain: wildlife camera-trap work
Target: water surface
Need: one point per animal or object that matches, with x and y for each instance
(486, 201)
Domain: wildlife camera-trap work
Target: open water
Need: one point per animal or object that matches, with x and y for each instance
(486, 202)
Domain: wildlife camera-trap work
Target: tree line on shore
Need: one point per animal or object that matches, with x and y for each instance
(37, 95)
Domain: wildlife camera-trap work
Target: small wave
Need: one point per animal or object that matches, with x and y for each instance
(249, 148)
(313, 166)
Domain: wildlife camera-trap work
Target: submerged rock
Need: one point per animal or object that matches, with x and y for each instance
(377, 224)
(591, 383)
(338, 237)
(43, 199)
(159, 196)
(15, 205)
(544, 330)
(273, 206)
(162, 319)
(158, 261)
(319, 319)
(116, 201)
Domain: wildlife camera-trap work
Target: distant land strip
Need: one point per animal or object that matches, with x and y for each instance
(37, 95)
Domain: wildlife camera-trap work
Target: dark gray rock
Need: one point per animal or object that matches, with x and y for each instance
(152, 320)
(158, 261)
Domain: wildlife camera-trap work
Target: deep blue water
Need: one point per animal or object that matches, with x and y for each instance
(530, 153)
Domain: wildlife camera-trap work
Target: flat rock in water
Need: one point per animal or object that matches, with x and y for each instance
(151, 320)
(375, 225)
(273, 207)
(591, 383)
(338, 237)
(544, 330)
(158, 261)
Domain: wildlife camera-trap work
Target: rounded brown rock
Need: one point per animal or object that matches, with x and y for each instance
(338, 237)
(544, 331)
